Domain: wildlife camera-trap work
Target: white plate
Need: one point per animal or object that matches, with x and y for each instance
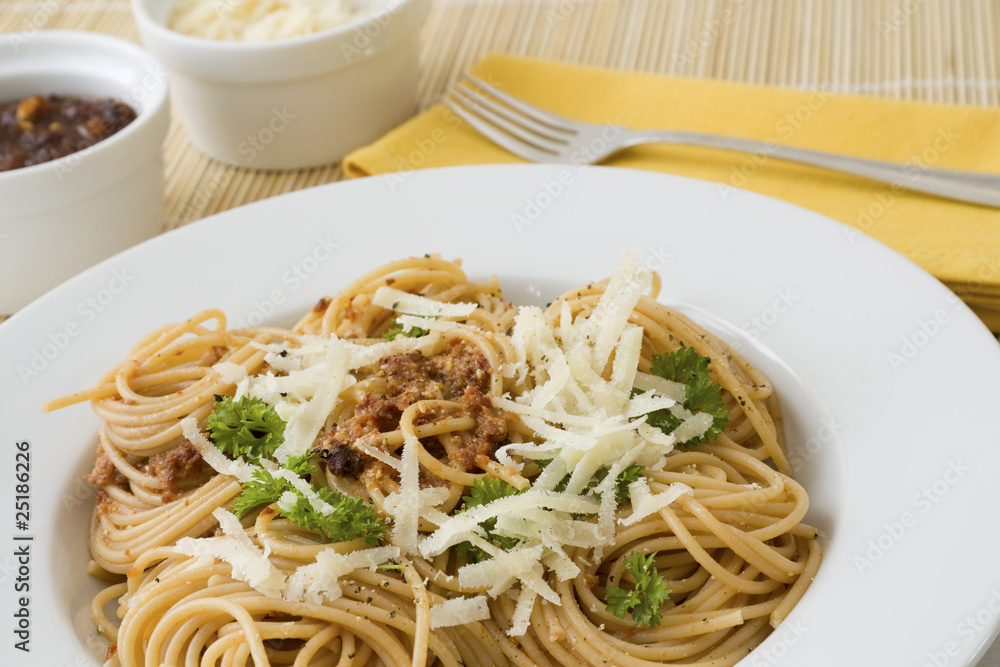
(889, 382)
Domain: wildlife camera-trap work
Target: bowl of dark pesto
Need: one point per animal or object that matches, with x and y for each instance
(42, 128)
(83, 118)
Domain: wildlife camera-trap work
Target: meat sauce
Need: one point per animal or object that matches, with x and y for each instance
(462, 375)
(177, 469)
(43, 128)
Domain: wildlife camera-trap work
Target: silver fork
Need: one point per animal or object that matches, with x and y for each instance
(542, 136)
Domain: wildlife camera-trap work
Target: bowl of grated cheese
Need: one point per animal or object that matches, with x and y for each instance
(286, 84)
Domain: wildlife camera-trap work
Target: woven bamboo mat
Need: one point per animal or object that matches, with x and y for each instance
(935, 50)
(932, 50)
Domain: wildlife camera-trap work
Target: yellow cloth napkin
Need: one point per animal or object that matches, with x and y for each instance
(958, 243)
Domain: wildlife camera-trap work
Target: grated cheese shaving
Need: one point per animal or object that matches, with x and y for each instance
(459, 611)
(219, 462)
(307, 419)
(644, 502)
(406, 501)
(258, 20)
(414, 304)
(231, 373)
(249, 564)
(318, 580)
(581, 408)
(302, 486)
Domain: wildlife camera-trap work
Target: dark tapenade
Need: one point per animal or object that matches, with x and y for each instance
(42, 128)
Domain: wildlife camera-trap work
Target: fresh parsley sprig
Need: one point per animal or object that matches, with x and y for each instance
(263, 488)
(302, 465)
(644, 601)
(252, 429)
(398, 329)
(485, 490)
(248, 427)
(351, 517)
(628, 475)
(686, 366)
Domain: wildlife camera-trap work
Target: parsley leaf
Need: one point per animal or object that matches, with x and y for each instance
(263, 488)
(625, 477)
(645, 600)
(301, 465)
(485, 490)
(248, 427)
(350, 518)
(397, 329)
(628, 475)
(686, 366)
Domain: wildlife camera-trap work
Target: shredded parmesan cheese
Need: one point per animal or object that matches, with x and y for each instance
(645, 503)
(258, 20)
(248, 562)
(459, 611)
(219, 462)
(581, 408)
(319, 580)
(414, 304)
(587, 407)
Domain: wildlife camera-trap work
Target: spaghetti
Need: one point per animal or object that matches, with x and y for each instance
(515, 457)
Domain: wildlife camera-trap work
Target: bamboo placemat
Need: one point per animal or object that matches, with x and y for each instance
(931, 50)
(934, 50)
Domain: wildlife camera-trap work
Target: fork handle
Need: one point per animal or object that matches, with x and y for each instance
(967, 186)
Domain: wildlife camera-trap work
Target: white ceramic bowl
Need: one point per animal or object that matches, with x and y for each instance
(291, 103)
(60, 217)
